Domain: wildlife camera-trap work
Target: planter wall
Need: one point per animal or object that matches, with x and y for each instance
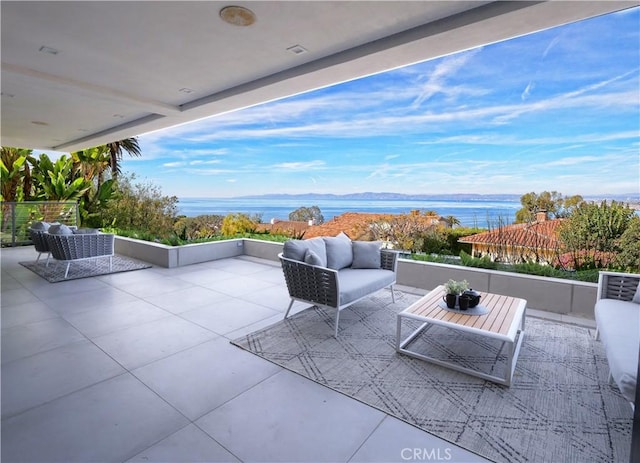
(549, 294)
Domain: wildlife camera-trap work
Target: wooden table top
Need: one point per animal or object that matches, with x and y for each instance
(505, 313)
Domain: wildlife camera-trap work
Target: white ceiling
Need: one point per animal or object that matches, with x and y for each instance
(120, 66)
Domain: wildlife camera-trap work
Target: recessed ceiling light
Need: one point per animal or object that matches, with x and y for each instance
(119, 116)
(237, 15)
(185, 90)
(297, 49)
(39, 123)
(49, 50)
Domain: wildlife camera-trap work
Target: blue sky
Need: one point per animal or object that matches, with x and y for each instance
(557, 110)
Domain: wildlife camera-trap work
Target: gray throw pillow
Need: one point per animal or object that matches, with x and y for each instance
(40, 226)
(366, 254)
(60, 229)
(295, 249)
(339, 252)
(317, 245)
(311, 258)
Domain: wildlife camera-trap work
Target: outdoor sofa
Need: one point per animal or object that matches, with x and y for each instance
(617, 312)
(335, 272)
(70, 244)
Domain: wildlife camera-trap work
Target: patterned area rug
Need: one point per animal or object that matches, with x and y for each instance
(560, 407)
(54, 272)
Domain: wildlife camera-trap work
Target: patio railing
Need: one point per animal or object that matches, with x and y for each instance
(17, 217)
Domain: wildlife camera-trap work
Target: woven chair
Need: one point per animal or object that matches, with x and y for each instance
(40, 243)
(71, 248)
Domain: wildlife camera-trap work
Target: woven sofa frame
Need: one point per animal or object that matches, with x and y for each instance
(620, 286)
(320, 285)
(71, 248)
(39, 241)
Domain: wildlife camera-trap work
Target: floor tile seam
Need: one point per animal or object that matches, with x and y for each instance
(71, 343)
(276, 311)
(238, 328)
(237, 457)
(238, 395)
(369, 436)
(129, 326)
(136, 367)
(67, 394)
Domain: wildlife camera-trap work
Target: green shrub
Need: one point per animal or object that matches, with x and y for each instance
(478, 262)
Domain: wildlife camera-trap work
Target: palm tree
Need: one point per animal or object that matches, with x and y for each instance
(116, 148)
(452, 220)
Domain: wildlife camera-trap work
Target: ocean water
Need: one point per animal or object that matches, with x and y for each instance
(478, 213)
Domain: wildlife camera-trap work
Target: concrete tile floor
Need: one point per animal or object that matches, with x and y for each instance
(138, 367)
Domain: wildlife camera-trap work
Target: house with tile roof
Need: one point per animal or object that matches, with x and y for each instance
(524, 242)
(292, 228)
(367, 226)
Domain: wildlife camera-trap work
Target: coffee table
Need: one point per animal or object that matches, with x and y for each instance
(504, 322)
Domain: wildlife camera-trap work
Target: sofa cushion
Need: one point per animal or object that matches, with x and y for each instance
(357, 283)
(366, 254)
(619, 328)
(339, 251)
(296, 249)
(60, 229)
(40, 226)
(311, 258)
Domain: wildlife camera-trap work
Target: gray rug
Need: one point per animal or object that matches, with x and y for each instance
(54, 273)
(560, 407)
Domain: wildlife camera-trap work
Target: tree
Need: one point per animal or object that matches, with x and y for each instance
(629, 255)
(141, 206)
(117, 148)
(304, 214)
(591, 234)
(15, 173)
(235, 224)
(57, 180)
(451, 221)
(553, 203)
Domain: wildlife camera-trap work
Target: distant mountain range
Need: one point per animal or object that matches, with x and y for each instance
(631, 197)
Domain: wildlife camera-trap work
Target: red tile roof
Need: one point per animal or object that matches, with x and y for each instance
(355, 224)
(542, 235)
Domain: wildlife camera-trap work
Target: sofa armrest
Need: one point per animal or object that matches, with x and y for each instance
(389, 260)
(616, 285)
(310, 283)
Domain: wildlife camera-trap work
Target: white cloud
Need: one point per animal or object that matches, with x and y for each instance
(300, 166)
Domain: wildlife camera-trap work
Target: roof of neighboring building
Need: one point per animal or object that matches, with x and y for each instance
(542, 234)
(354, 224)
(284, 227)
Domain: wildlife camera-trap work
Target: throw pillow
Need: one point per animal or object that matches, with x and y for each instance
(636, 296)
(317, 245)
(366, 254)
(295, 249)
(339, 252)
(40, 226)
(60, 229)
(311, 258)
